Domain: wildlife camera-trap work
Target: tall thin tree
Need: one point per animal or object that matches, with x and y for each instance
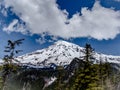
(8, 66)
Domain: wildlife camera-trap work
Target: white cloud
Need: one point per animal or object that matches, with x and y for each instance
(41, 40)
(15, 26)
(4, 12)
(100, 23)
(10, 28)
(45, 16)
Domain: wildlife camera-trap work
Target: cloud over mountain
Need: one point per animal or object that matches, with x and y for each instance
(45, 16)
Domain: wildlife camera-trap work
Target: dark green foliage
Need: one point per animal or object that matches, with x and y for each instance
(89, 77)
(86, 77)
(33, 79)
(89, 51)
(8, 66)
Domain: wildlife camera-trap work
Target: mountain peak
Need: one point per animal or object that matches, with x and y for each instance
(62, 42)
(61, 53)
(66, 43)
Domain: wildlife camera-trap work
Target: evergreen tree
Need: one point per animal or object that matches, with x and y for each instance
(87, 76)
(8, 66)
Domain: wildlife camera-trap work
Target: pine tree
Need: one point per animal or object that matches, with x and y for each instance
(8, 66)
(87, 76)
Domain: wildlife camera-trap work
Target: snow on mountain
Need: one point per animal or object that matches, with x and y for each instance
(61, 53)
(48, 81)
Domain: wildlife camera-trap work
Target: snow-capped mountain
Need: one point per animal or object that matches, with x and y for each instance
(61, 53)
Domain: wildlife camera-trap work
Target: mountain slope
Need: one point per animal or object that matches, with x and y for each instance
(61, 53)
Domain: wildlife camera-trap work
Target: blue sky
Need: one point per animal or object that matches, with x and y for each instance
(43, 22)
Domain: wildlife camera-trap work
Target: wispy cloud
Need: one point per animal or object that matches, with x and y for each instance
(117, 0)
(15, 26)
(45, 16)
